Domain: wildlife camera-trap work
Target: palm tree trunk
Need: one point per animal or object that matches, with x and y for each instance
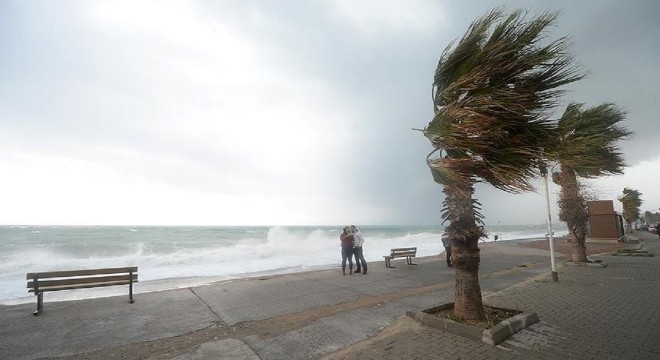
(464, 234)
(468, 303)
(579, 248)
(573, 211)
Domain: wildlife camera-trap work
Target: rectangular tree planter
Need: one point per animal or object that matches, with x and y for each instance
(492, 336)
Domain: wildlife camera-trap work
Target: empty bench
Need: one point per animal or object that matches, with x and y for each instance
(407, 253)
(41, 282)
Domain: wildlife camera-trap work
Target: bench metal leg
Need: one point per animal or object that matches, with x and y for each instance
(409, 260)
(40, 304)
(130, 288)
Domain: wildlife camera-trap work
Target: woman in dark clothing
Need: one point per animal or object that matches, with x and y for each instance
(346, 239)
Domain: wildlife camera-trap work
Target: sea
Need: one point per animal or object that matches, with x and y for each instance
(170, 257)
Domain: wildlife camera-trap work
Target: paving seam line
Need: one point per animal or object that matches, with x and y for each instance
(207, 305)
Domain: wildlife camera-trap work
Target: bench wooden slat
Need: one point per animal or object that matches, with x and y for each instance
(81, 286)
(403, 254)
(55, 274)
(44, 284)
(404, 249)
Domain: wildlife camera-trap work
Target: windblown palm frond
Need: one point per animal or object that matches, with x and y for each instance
(491, 93)
(586, 140)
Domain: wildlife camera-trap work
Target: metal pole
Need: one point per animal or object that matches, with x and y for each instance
(555, 277)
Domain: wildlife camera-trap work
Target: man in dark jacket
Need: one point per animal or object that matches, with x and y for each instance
(446, 242)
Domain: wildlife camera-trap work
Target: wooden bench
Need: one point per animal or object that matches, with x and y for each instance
(40, 282)
(407, 253)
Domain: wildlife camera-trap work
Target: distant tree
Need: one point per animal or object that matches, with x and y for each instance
(651, 218)
(631, 201)
(585, 146)
(491, 92)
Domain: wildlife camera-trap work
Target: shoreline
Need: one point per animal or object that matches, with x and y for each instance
(173, 283)
(157, 285)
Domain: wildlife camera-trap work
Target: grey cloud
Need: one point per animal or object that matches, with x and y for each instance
(383, 77)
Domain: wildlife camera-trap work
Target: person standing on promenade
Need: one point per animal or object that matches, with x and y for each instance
(446, 242)
(346, 239)
(358, 241)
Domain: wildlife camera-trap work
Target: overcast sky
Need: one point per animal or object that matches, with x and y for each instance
(273, 112)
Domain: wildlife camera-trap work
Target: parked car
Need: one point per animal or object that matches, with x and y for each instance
(652, 229)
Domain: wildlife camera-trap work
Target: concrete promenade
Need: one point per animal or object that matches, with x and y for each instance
(591, 313)
(594, 313)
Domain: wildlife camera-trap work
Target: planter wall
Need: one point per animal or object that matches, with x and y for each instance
(492, 336)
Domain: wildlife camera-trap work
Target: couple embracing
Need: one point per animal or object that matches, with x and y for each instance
(351, 244)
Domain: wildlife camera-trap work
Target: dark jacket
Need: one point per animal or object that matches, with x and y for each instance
(446, 241)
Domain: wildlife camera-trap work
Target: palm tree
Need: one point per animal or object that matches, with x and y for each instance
(585, 147)
(631, 201)
(490, 95)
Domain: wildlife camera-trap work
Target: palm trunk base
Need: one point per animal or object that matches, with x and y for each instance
(579, 244)
(579, 253)
(468, 303)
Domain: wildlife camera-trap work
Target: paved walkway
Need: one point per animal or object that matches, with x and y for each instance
(591, 313)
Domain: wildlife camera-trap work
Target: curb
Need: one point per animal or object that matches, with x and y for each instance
(508, 327)
(641, 250)
(589, 264)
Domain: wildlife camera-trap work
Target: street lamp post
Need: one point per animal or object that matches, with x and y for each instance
(544, 173)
